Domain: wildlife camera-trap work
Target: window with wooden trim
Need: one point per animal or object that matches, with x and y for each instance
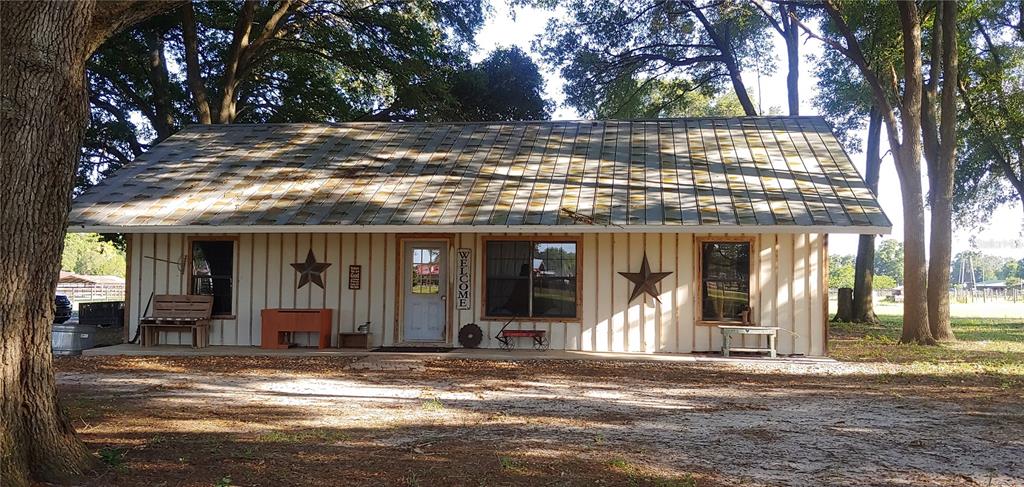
(212, 274)
(531, 279)
(724, 280)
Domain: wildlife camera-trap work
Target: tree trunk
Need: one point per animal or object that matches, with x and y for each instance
(941, 184)
(44, 47)
(864, 273)
(44, 116)
(240, 40)
(844, 310)
(724, 46)
(193, 73)
(915, 270)
(163, 120)
(792, 37)
(908, 167)
(740, 88)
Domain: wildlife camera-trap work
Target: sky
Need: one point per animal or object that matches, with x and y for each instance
(1003, 235)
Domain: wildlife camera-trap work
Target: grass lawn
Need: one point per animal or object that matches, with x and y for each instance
(987, 349)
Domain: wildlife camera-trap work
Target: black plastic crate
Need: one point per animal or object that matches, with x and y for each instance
(104, 313)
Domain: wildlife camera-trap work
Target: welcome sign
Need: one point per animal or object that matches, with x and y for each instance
(464, 279)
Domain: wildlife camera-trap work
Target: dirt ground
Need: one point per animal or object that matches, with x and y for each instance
(380, 421)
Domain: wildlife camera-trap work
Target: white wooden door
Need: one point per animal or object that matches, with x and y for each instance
(426, 289)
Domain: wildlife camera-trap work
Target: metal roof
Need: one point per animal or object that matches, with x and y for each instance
(707, 174)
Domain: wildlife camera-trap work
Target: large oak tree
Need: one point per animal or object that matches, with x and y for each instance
(906, 101)
(44, 47)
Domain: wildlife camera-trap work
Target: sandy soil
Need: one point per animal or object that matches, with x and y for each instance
(316, 421)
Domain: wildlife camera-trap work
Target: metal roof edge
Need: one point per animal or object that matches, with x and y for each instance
(682, 229)
(493, 122)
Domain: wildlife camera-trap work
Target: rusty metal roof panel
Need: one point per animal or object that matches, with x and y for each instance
(746, 172)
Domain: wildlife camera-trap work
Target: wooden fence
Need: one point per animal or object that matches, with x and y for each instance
(957, 296)
(986, 295)
(84, 293)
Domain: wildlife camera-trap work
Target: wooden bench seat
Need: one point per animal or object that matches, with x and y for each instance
(728, 331)
(178, 312)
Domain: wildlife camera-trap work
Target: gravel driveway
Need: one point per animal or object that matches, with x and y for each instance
(472, 422)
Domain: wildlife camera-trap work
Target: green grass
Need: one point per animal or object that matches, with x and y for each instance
(988, 349)
(509, 464)
(315, 435)
(433, 404)
(636, 475)
(114, 457)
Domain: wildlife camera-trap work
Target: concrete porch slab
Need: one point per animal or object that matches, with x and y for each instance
(461, 353)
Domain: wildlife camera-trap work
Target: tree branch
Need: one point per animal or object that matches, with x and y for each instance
(110, 17)
(193, 73)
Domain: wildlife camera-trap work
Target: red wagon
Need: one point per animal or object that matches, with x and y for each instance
(507, 338)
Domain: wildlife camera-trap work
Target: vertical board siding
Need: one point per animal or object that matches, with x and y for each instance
(601, 327)
(788, 290)
(666, 317)
(701, 333)
(620, 260)
(783, 293)
(818, 295)
(801, 307)
(258, 286)
(767, 278)
(687, 289)
(243, 295)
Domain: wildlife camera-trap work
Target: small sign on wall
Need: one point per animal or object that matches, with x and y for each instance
(464, 279)
(355, 276)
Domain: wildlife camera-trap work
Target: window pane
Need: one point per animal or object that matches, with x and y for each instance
(554, 280)
(212, 272)
(426, 271)
(725, 286)
(508, 278)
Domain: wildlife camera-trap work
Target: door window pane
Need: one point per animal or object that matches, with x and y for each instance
(725, 280)
(212, 272)
(426, 271)
(554, 279)
(508, 278)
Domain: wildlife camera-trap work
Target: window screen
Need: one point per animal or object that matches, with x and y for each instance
(725, 280)
(213, 271)
(554, 280)
(508, 278)
(531, 279)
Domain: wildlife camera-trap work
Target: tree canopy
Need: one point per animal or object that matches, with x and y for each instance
(990, 167)
(285, 61)
(86, 253)
(889, 259)
(655, 58)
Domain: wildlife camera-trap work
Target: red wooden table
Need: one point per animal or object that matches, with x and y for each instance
(277, 323)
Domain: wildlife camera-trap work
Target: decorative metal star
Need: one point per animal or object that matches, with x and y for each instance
(310, 270)
(645, 281)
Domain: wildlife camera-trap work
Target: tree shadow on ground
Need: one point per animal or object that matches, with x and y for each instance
(471, 422)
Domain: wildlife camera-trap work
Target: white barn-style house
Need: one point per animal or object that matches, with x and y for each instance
(417, 229)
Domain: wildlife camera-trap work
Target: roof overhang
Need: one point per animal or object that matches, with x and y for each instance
(559, 229)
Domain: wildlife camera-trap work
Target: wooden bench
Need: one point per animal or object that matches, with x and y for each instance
(178, 312)
(728, 331)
